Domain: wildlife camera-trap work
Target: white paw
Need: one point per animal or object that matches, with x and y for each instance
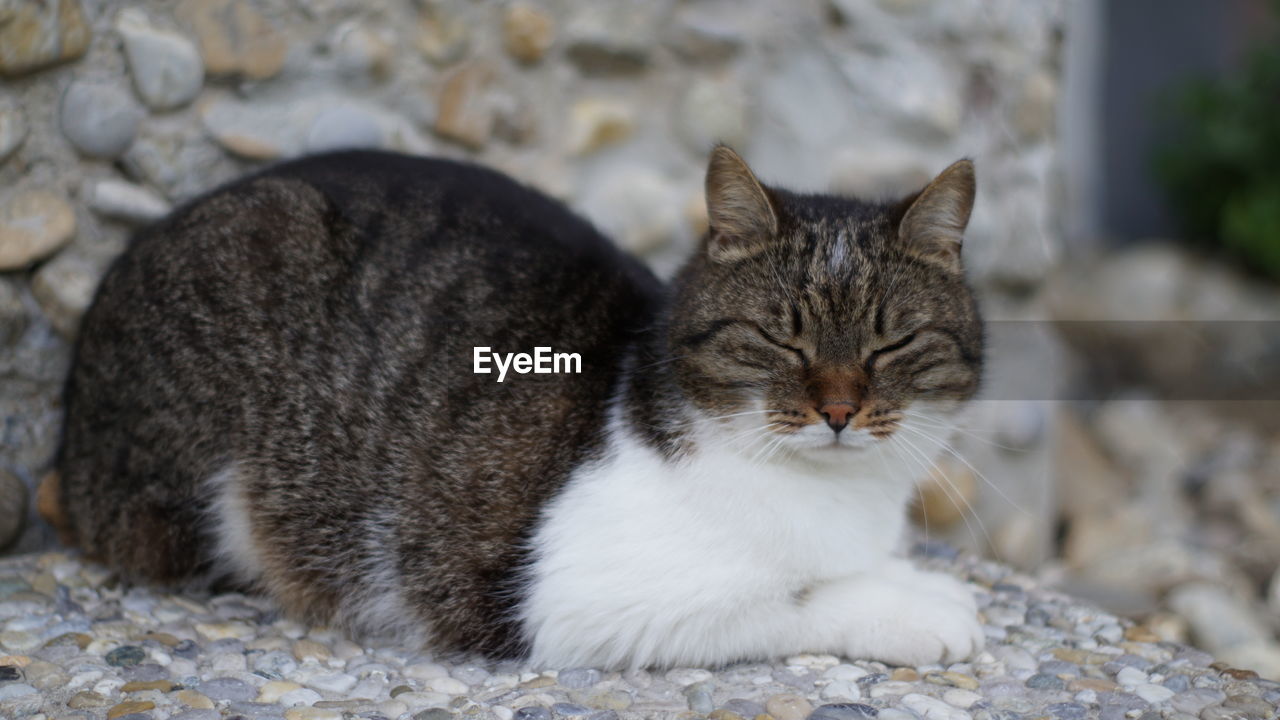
(908, 575)
(920, 624)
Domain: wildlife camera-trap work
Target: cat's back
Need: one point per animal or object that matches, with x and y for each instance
(311, 332)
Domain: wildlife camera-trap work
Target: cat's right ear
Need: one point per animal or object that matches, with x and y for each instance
(740, 213)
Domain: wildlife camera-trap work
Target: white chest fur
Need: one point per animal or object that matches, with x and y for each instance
(641, 561)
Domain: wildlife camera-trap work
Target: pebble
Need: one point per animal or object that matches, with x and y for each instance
(788, 707)
(228, 689)
(196, 715)
(570, 710)
(100, 118)
(578, 678)
(963, 699)
(1153, 693)
(932, 708)
(38, 34)
(305, 650)
(532, 712)
(33, 225)
(596, 123)
(1131, 676)
(126, 656)
(844, 711)
(64, 288)
(301, 696)
(1067, 711)
(342, 682)
(125, 201)
(610, 38)
(841, 689)
(446, 685)
(443, 37)
(1250, 705)
(745, 708)
(13, 690)
(234, 38)
(1040, 681)
(130, 708)
(344, 127)
(166, 67)
(699, 697)
(527, 31)
(465, 111)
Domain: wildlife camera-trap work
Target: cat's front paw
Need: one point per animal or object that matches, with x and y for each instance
(915, 626)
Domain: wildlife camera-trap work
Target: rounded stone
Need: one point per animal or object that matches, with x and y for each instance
(228, 689)
(125, 201)
(788, 707)
(565, 709)
(166, 67)
(533, 712)
(126, 656)
(33, 225)
(1040, 681)
(527, 31)
(36, 34)
(344, 127)
(578, 678)
(99, 118)
(844, 711)
(64, 288)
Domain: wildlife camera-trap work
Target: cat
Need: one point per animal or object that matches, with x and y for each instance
(274, 389)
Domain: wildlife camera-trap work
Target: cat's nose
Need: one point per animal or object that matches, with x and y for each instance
(837, 414)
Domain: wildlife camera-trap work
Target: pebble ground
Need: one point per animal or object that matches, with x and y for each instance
(75, 645)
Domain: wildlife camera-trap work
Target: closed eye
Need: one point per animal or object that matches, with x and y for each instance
(890, 348)
(785, 346)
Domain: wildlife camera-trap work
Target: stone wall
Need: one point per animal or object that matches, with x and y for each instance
(111, 112)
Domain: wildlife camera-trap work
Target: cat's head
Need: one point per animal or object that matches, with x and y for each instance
(817, 323)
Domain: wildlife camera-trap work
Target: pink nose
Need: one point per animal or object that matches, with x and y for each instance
(837, 414)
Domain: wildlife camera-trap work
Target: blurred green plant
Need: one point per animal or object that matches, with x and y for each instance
(1221, 165)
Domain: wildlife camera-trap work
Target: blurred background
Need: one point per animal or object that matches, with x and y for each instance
(1126, 241)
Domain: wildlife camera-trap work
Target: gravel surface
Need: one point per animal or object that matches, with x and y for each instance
(74, 644)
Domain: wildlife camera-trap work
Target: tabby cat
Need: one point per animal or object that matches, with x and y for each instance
(276, 389)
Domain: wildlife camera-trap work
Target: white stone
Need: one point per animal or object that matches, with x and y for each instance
(335, 682)
(447, 685)
(963, 699)
(344, 127)
(166, 67)
(100, 118)
(1131, 676)
(932, 708)
(299, 697)
(125, 201)
(1153, 693)
(841, 690)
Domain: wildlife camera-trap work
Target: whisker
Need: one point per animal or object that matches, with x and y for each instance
(955, 453)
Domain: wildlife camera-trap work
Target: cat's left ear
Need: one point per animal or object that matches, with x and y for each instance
(739, 210)
(934, 220)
